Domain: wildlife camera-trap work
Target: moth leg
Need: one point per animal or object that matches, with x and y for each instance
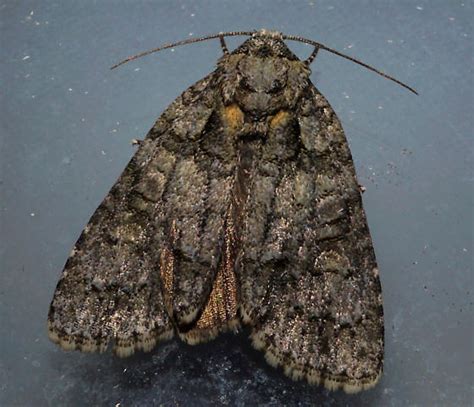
(312, 56)
(225, 50)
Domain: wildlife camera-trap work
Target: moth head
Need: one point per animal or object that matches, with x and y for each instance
(262, 75)
(266, 44)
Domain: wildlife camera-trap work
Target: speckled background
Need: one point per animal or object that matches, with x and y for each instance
(66, 122)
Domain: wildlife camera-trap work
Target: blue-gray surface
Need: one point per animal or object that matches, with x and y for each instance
(66, 123)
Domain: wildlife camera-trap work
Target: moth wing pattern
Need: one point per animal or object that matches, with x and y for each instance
(140, 266)
(321, 315)
(108, 290)
(241, 205)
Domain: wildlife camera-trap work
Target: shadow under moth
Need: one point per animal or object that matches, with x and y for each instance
(241, 206)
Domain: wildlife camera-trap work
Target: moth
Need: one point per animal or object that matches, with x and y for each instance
(241, 206)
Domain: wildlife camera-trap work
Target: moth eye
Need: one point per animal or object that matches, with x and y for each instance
(276, 85)
(245, 84)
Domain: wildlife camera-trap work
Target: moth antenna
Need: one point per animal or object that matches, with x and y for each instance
(220, 35)
(333, 51)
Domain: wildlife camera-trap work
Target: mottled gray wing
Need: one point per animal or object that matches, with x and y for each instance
(310, 285)
(146, 261)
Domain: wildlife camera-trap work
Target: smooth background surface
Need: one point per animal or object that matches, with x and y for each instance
(66, 123)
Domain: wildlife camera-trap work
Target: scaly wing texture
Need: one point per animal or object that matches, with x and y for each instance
(147, 260)
(310, 285)
(110, 288)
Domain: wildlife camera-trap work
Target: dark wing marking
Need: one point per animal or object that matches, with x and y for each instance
(310, 284)
(148, 257)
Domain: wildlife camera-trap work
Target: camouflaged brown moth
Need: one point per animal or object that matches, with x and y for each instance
(241, 206)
